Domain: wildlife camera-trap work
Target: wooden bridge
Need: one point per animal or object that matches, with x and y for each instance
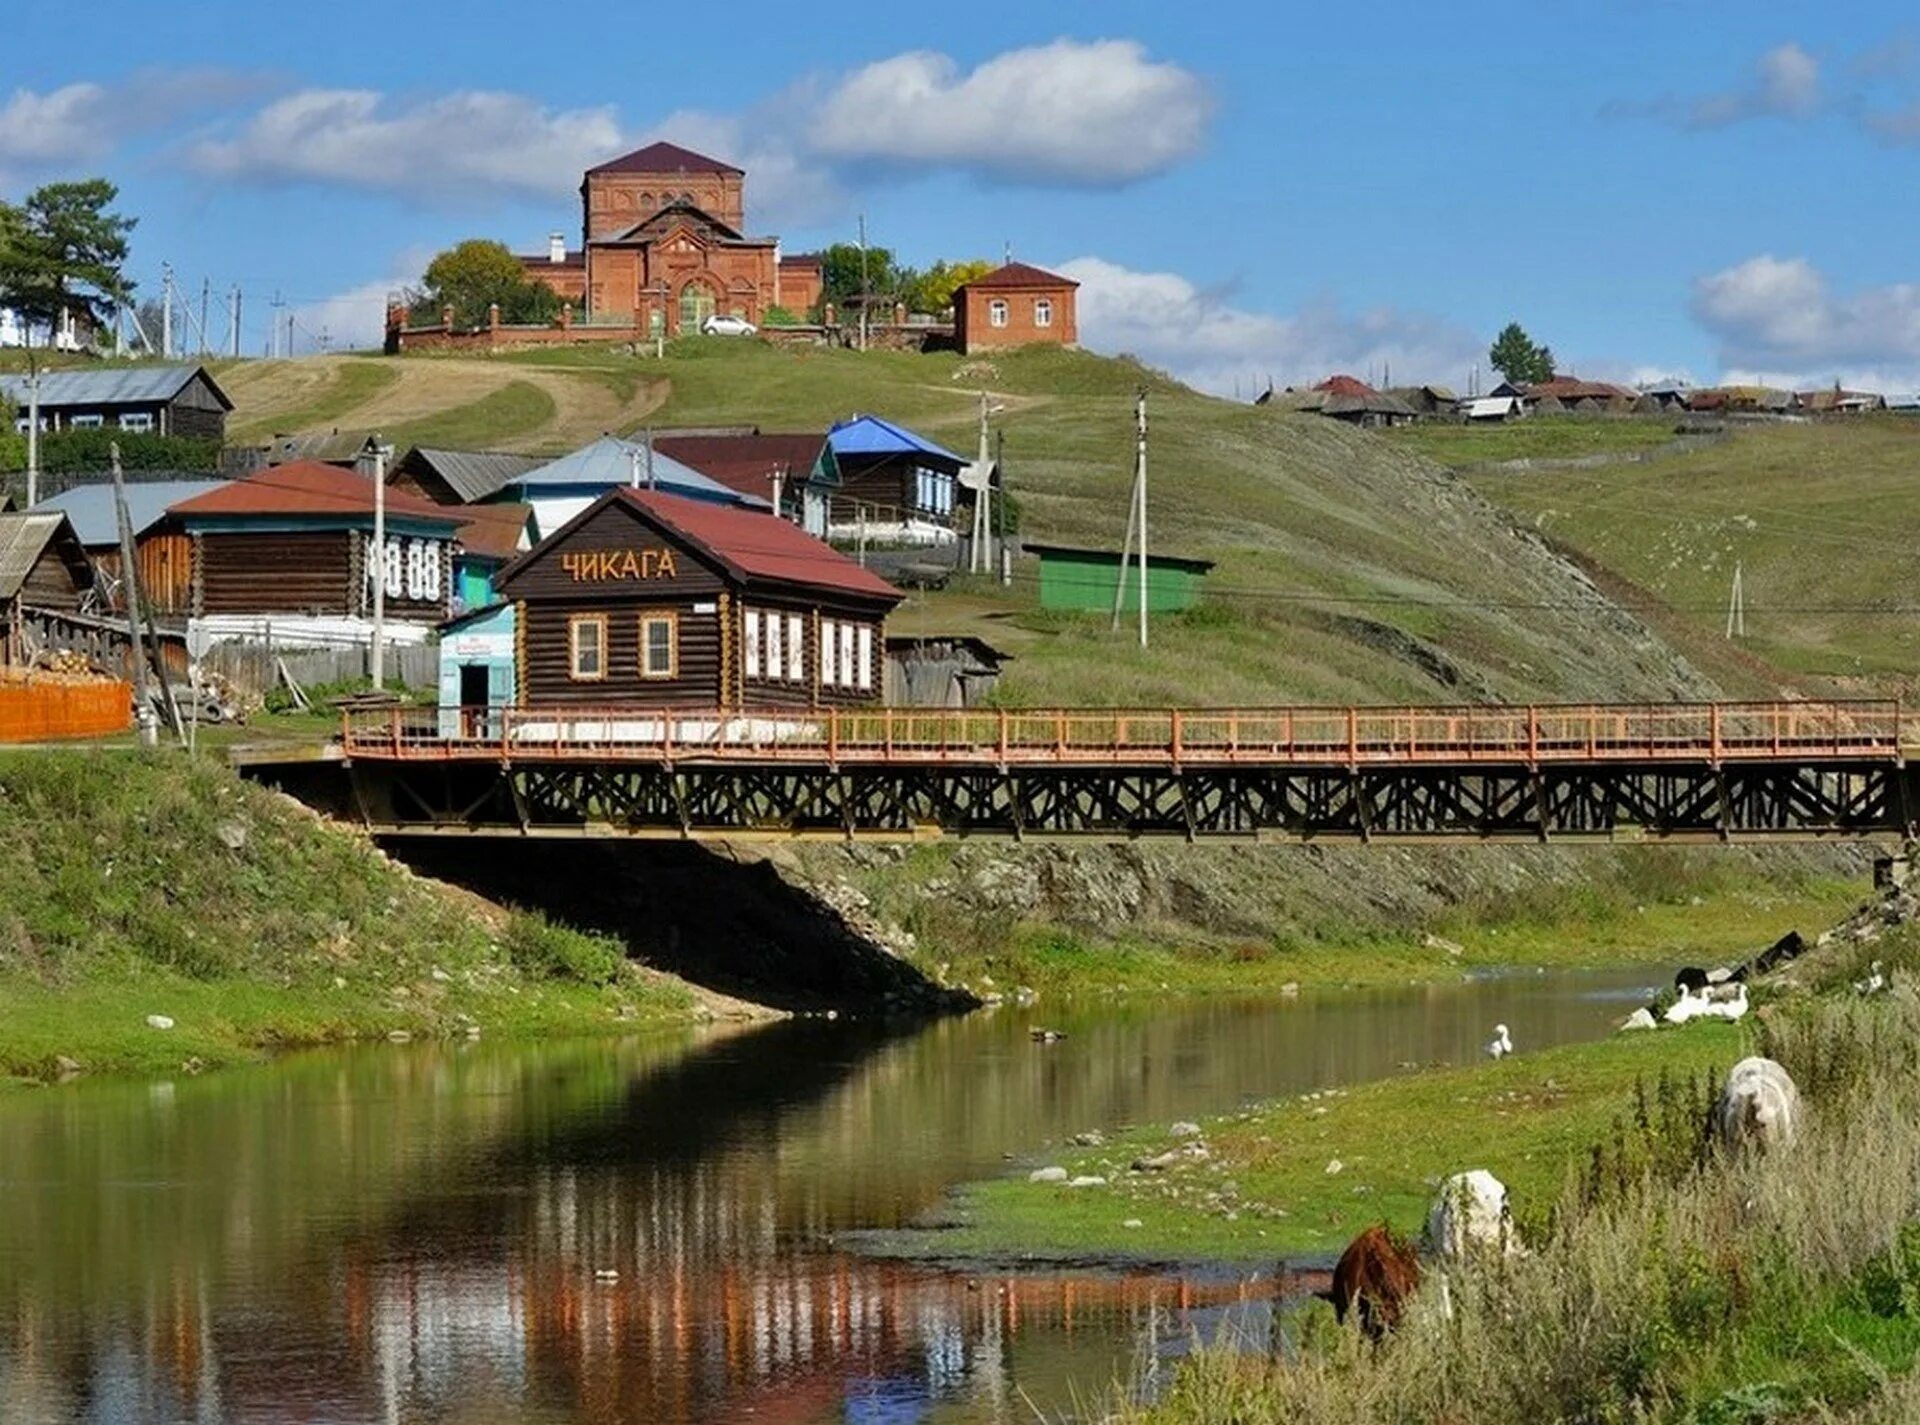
(1710, 771)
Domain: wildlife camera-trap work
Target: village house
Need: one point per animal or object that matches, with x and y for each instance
(1342, 398)
(293, 547)
(794, 470)
(665, 246)
(161, 548)
(165, 400)
(1835, 401)
(651, 599)
(457, 477)
(560, 489)
(894, 484)
(1016, 305)
(41, 566)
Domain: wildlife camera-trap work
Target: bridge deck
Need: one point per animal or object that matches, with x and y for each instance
(1713, 734)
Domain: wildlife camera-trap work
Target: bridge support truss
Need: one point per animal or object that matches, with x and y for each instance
(1752, 800)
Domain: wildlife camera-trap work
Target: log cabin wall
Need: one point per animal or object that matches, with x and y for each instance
(285, 572)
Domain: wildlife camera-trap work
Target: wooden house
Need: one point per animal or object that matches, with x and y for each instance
(41, 566)
(490, 537)
(890, 476)
(795, 468)
(647, 599)
(297, 540)
(166, 400)
(457, 477)
(161, 546)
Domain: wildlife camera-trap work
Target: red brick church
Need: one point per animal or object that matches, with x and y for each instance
(665, 246)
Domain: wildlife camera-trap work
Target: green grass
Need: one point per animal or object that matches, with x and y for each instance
(513, 410)
(145, 884)
(1821, 520)
(1265, 1189)
(354, 384)
(1537, 438)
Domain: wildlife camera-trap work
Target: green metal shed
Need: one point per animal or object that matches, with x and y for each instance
(1081, 580)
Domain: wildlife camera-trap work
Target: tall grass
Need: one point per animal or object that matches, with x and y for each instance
(1703, 1288)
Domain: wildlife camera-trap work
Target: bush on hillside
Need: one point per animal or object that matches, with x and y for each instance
(539, 948)
(83, 452)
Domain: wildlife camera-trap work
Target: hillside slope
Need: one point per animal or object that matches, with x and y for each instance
(1348, 569)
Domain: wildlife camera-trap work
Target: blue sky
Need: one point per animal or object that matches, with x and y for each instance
(1706, 189)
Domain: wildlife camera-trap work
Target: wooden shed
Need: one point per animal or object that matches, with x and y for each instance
(165, 400)
(297, 540)
(646, 599)
(161, 547)
(1081, 580)
(42, 566)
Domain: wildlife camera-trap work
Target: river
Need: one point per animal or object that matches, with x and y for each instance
(642, 1229)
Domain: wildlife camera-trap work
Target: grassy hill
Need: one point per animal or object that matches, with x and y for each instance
(1821, 519)
(1348, 569)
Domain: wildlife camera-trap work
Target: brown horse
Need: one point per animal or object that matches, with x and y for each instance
(1373, 1279)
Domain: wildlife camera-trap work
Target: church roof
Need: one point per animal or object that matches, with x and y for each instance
(1021, 274)
(664, 158)
(656, 223)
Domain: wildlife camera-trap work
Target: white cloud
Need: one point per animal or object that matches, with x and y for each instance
(1784, 84)
(470, 143)
(1204, 339)
(84, 122)
(1095, 113)
(1780, 318)
(356, 318)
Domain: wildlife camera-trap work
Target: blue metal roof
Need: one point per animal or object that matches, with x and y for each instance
(90, 507)
(871, 435)
(108, 386)
(610, 462)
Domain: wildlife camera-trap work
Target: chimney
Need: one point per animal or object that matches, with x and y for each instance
(556, 248)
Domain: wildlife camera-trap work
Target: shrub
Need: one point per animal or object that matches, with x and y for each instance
(538, 947)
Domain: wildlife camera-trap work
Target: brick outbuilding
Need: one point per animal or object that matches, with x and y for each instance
(1016, 305)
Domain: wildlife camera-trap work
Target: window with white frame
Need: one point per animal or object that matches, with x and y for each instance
(87, 422)
(829, 652)
(659, 644)
(776, 647)
(796, 649)
(751, 638)
(997, 312)
(846, 655)
(1042, 312)
(866, 658)
(136, 420)
(587, 648)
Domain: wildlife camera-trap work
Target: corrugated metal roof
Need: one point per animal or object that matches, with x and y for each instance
(90, 507)
(309, 487)
(610, 462)
(109, 386)
(872, 435)
(663, 158)
(23, 538)
(494, 531)
(1021, 275)
(746, 462)
(473, 474)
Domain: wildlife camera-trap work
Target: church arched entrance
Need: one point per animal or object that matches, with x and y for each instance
(697, 302)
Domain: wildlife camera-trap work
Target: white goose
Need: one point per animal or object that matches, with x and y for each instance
(1501, 1044)
(1688, 1006)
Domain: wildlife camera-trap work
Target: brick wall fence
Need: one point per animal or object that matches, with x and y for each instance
(898, 335)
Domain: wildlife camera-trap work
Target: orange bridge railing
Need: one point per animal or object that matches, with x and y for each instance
(1862, 730)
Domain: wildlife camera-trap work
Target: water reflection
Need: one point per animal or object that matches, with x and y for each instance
(638, 1230)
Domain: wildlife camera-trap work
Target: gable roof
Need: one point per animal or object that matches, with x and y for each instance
(493, 531)
(664, 158)
(746, 462)
(24, 537)
(470, 474)
(1346, 386)
(873, 435)
(1572, 388)
(610, 462)
(660, 222)
(95, 521)
(748, 544)
(1019, 274)
(111, 386)
(309, 487)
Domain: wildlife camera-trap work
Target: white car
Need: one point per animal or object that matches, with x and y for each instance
(717, 325)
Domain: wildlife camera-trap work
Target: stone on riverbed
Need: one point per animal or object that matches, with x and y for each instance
(1641, 1018)
(1087, 1181)
(1185, 1130)
(1047, 1175)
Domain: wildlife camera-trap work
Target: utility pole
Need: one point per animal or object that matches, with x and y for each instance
(233, 324)
(273, 330)
(1000, 505)
(33, 425)
(379, 670)
(979, 557)
(142, 699)
(1136, 520)
(166, 311)
(649, 450)
(1737, 606)
(206, 294)
(865, 292)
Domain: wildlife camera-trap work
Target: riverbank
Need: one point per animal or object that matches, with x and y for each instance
(158, 913)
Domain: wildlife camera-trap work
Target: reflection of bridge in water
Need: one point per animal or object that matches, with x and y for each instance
(1709, 771)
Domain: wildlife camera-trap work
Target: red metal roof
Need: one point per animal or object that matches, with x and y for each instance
(309, 487)
(1572, 388)
(1021, 274)
(758, 545)
(745, 462)
(1346, 386)
(493, 531)
(664, 158)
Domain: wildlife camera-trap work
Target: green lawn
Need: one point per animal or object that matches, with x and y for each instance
(514, 410)
(1821, 521)
(1536, 438)
(352, 384)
